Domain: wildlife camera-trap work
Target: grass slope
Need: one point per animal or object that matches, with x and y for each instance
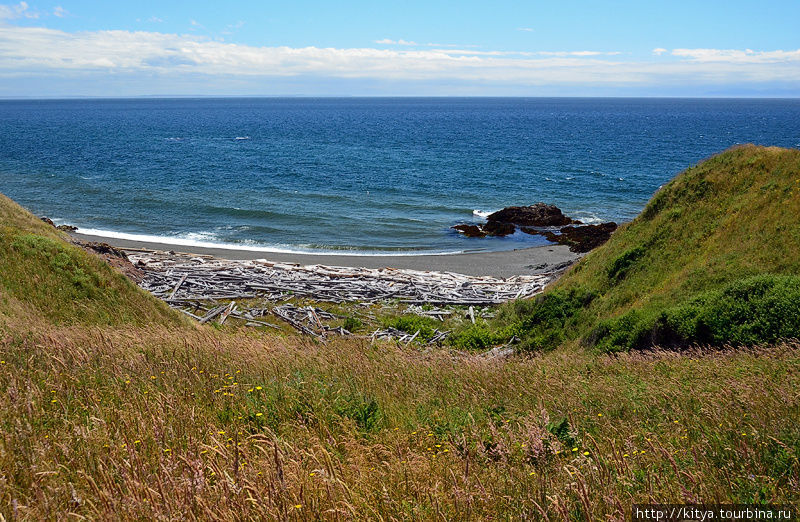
(47, 279)
(696, 250)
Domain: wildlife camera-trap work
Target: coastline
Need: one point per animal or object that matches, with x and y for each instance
(525, 261)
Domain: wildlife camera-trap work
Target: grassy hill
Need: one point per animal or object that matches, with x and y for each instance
(113, 408)
(47, 279)
(714, 258)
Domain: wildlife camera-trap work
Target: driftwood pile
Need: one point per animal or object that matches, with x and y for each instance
(208, 289)
(178, 278)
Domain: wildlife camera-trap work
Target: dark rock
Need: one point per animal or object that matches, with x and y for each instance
(67, 228)
(48, 221)
(579, 238)
(470, 230)
(588, 237)
(494, 228)
(113, 256)
(105, 249)
(538, 215)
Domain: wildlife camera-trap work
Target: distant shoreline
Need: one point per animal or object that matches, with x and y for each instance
(525, 261)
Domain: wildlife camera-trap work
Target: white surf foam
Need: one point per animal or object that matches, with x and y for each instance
(209, 240)
(483, 213)
(589, 218)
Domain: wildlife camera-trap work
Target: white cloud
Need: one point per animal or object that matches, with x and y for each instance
(658, 51)
(389, 41)
(737, 56)
(60, 12)
(20, 10)
(42, 51)
(525, 29)
(155, 20)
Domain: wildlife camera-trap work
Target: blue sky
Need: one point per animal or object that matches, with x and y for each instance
(582, 48)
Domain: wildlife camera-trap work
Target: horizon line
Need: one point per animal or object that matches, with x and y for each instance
(384, 96)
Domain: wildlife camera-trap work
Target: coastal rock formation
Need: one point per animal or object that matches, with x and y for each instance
(470, 230)
(531, 219)
(489, 229)
(505, 222)
(496, 228)
(65, 228)
(537, 215)
(579, 238)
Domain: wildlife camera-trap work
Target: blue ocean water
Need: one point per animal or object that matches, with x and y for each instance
(365, 175)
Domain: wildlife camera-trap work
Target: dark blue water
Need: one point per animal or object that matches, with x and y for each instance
(367, 175)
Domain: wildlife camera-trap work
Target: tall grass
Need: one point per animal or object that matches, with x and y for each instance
(144, 423)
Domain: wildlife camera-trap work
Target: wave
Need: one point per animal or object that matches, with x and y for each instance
(589, 218)
(211, 240)
(483, 213)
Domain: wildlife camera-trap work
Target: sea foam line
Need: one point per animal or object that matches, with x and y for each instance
(189, 242)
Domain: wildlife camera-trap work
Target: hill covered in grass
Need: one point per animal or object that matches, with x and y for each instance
(714, 258)
(47, 279)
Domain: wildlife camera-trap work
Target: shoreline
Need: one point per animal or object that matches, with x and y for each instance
(508, 263)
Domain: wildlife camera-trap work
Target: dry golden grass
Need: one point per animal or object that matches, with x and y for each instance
(144, 423)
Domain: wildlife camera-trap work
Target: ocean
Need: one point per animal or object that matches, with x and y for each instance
(369, 176)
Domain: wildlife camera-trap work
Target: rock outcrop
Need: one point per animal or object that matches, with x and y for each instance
(470, 230)
(114, 257)
(579, 238)
(537, 215)
(536, 219)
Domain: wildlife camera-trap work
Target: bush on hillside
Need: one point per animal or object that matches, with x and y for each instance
(412, 324)
(541, 323)
(756, 310)
(478, 336)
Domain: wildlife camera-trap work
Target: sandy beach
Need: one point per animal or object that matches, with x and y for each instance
(526, 261)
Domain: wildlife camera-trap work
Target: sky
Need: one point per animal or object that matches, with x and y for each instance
(712, 48)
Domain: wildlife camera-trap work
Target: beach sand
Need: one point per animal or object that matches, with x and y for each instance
(526, 261)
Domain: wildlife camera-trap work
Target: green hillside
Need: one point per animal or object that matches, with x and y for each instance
(45, 278)
(712, 259)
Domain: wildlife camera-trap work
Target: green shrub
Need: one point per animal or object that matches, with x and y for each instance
(561, 430)
(755, 310)
(759, 309)
(365, 411)
(478, 336)
(352, 324)
(411, 324)
(542, 323)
